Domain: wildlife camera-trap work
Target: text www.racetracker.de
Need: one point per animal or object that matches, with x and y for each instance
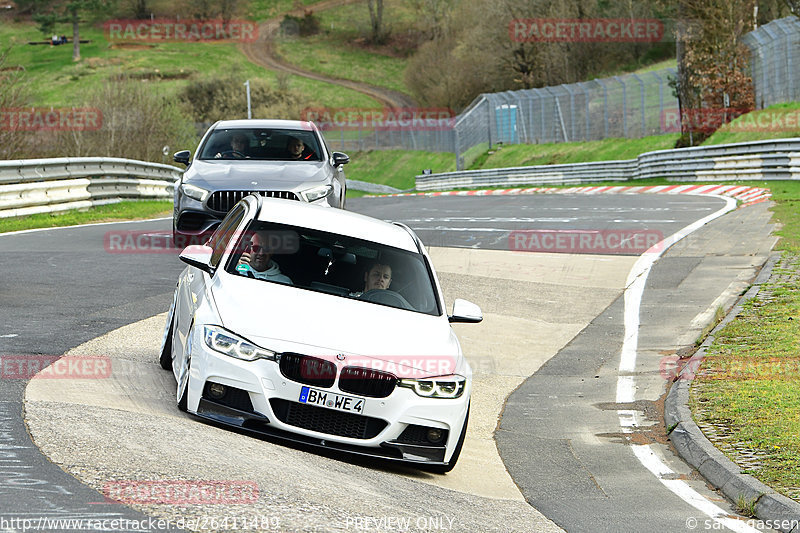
(44, 523)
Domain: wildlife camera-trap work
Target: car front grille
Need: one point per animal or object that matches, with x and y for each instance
(223, 201)
(367, 382)
(308, 370)
(326, 421)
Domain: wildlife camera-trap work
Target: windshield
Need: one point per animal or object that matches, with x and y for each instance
(335, 264)
(262, 144)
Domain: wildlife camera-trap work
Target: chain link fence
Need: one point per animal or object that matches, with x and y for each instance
(628, 106)
(774, 61)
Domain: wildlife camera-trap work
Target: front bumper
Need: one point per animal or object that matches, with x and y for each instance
(261, 397)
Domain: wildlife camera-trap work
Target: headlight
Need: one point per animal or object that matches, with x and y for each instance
(439, 387)
(194, 192)
(317, 192)
(223, 341)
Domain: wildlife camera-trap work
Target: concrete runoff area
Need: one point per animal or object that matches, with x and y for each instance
(128, 427)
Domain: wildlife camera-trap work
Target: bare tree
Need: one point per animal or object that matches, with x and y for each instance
(13, 95)
(379, 32)
(712, 64)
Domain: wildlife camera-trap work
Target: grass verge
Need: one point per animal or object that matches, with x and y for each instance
(127, 210)
(396, 168)
(745, 395)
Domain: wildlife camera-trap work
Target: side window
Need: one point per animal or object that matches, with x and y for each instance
(219, 241)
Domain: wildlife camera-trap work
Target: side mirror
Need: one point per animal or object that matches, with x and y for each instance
(182, 157)
(198, 256)
(466, 312)
(340, 158)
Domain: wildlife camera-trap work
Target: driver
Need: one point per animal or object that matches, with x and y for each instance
(239, 145)
(377, 276)
(257, 260)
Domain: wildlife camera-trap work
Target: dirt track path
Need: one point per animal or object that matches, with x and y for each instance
(261, 52)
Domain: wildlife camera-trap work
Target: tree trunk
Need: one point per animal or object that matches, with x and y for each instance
(376, 19)
(76, 39)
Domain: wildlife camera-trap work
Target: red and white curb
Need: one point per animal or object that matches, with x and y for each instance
(747, 195)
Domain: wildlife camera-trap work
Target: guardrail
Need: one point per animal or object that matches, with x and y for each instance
(760, 160)
(48, 185)
(30, 186)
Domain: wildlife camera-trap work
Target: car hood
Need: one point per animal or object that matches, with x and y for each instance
(284, 318)
(253, 174)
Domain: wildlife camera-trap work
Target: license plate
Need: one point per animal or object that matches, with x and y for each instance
(331, 400)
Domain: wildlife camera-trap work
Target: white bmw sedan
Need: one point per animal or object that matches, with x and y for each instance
(323, 327)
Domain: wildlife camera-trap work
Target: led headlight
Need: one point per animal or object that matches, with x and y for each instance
(438, 387)
(317, 192)
(223, 341)
(194, 192)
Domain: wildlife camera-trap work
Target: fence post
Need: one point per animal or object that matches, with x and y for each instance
(641, 86)
(605, 107)
(624, 107)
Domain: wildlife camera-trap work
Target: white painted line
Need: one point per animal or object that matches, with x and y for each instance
(626, 384)
(9, 336)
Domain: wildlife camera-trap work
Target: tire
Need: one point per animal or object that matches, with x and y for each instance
(445, 468)
(165, 359)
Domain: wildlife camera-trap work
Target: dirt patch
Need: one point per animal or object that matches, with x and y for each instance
(131, 46)
(653, 411)
(401, 45)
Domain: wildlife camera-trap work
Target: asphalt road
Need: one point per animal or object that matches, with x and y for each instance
(62, 287)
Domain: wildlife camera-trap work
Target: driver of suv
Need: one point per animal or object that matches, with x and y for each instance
(238, 148)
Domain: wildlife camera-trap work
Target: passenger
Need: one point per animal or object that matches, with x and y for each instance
(257, 260)
(296, 150)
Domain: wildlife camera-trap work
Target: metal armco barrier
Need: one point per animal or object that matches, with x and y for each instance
(48, 185)
(760, 160)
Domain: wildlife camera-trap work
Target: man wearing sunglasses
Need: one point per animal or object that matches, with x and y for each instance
(256, 261)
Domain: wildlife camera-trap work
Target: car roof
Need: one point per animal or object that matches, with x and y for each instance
(339, 221)
(266, 123)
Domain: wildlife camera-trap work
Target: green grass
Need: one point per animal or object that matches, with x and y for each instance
(267, 9)
(396, 168)
(778, 121)
(339, 51)
(748, 381)
(127, 210)
(54, 80)
(516, 155)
